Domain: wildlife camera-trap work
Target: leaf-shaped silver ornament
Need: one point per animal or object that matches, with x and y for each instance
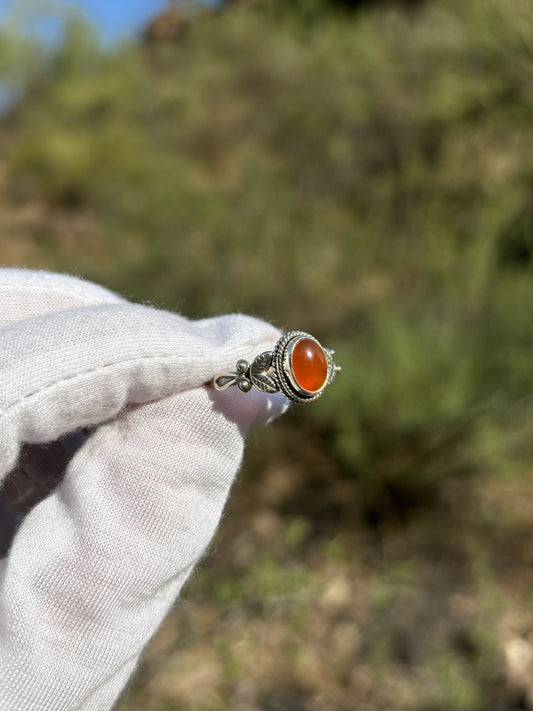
(259, 373)
(262, 363)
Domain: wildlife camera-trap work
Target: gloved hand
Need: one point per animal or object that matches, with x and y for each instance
(95, 566)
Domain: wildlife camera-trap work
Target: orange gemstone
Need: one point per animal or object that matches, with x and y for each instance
(309, 365)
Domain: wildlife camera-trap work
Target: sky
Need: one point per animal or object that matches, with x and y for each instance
(113, 18)
(116, 17)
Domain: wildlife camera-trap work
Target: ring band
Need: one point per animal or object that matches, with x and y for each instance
(298, 366)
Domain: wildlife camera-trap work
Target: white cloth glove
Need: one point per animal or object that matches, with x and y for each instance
(96, 565)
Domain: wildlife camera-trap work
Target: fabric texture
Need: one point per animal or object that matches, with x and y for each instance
(95, 566)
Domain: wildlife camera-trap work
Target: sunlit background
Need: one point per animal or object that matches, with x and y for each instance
(112, 20)
(362, 171)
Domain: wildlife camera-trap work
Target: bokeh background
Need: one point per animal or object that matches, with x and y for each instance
(363, 171)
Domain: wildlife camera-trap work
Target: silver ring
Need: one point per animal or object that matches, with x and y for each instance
(298, 366)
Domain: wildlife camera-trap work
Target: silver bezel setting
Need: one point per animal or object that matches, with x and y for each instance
(272, 372)
(283, 368)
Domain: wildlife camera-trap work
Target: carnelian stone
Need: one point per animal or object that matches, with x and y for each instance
(309, 365)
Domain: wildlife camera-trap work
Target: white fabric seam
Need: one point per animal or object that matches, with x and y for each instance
(61, 292)
(58, 383)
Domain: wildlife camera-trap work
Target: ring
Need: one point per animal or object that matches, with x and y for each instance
(298, 366)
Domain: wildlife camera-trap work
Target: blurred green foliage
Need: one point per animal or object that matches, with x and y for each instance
(368, 180)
